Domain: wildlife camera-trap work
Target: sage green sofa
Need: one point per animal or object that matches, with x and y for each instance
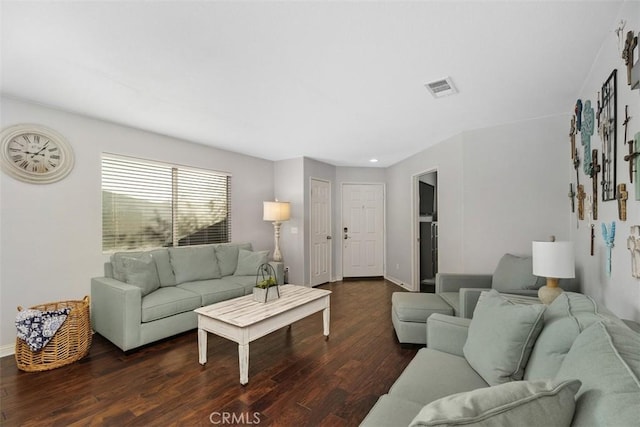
(571, 363)
(150, 295)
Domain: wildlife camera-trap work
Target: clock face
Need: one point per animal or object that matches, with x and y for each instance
(35, 154)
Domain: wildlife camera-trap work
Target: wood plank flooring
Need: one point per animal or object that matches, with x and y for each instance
(296, 378)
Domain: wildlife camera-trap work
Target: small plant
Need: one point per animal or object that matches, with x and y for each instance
(267, 283)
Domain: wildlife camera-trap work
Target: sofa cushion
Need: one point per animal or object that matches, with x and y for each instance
(434, 374)
(163, 263)
(248, 262)
(246, 282)
(227, 255)
(168, 301)
(213, 290)
(192, 263)
(605, 357)
(565, 318)
(530, 403)
(417, 307)
(141, 271)
(501, 336)
(391, 411)
(515, 272)
(117, 265)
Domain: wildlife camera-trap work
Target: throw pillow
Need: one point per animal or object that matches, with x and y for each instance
(227, 255)
(141, 271)
(192, 263)
(248, 262)
(501, 336)
(117, 267)
(606, 358)
(518, 403)
(515, 272)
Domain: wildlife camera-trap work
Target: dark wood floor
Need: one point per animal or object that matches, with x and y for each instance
(296, 378)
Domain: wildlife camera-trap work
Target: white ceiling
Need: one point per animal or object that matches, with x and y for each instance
(340, 82)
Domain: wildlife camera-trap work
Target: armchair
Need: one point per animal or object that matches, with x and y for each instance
(513, 275)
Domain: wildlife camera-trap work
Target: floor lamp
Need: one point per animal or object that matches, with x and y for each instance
(553, 260)
(277, 212)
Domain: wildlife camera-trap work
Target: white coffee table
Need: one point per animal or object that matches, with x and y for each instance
(243, 320)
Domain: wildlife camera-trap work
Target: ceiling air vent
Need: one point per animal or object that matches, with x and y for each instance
(442, 87)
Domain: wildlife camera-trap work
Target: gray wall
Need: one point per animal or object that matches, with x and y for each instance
(51, 234)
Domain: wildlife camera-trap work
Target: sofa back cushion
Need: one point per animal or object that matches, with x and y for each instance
(501, 336)
(606, 359)
(565, 318)
(514, 272)
(194, 263)
(227, 255)
(165, 270)
(138, 269)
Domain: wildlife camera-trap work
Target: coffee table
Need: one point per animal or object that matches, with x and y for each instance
(243, 320)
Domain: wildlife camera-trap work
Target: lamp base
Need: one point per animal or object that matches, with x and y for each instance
(547, 294)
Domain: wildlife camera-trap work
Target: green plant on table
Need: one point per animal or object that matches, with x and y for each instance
(267, 283)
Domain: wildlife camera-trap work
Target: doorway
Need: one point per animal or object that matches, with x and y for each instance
(362, 230)
(320, 221)
(426, 230)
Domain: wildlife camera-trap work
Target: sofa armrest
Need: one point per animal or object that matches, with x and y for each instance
(116, 311)
(453, 282)
(447, 333)
(279, 269)
(468, 300)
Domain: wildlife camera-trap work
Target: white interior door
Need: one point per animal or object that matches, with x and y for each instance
(362, 230)
(320, 232)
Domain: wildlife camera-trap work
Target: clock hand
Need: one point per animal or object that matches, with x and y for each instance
(40, 150)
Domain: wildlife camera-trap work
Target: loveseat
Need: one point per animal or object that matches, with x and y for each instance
(149, 295)
(521, 364)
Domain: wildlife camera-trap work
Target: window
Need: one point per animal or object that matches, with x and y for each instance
(150, 204)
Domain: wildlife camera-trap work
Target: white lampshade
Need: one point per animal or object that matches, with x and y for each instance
(553, 259)
(276, 211)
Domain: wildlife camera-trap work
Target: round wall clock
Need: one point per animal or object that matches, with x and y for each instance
(35, 154)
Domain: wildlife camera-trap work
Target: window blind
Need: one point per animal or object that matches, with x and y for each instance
(150, 204)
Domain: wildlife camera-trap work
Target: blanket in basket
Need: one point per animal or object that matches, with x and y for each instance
(37, 327)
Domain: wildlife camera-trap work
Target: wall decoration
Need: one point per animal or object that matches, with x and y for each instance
(581, 196)
(576, 166)
(593, 238)
(636, 159)
(595, 169)
(622, 196)
(572, 196)
(609, 235)
(578, 111)
(572, 136)
(607, 130)
(633, 244)
(585, 136)
(628, 158)
(633, 69)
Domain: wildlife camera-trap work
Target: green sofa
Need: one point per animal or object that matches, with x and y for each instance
(150, 295)
(569, 363)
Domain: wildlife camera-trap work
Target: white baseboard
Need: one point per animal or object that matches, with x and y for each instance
(398, 282)
(7, 350)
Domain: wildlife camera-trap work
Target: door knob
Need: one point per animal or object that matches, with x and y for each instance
(328, 237)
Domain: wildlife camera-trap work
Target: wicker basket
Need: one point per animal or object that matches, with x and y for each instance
(70, 343)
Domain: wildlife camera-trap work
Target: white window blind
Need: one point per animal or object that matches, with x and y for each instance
(149, 204)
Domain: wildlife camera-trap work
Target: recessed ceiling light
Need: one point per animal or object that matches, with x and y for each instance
(374, 160)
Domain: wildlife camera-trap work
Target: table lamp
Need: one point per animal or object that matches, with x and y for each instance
(553, 260)
(277, 212)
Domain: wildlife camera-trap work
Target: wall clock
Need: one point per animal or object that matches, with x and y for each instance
(35, 154)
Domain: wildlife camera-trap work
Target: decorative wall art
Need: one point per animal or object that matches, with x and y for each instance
(636, 160)
(585, 136)
(622, 197)
(578, 111)
(581, 196)
(631, 60)
(632, 154)
(607, 129)
(572, 196)
(595, 170)
(609, 235)
(572, 136)
(633, 244)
